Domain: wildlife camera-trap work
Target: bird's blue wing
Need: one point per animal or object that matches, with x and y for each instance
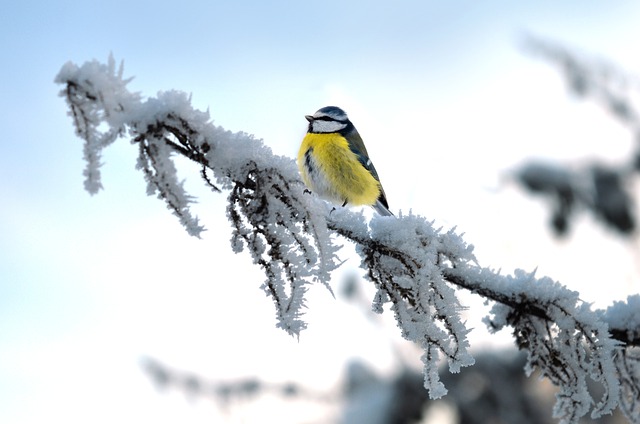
(356, 145)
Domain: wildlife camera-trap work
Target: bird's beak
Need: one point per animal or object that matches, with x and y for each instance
(309, 118)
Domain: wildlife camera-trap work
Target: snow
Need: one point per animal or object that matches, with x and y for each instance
(294, 238)
(625, 315)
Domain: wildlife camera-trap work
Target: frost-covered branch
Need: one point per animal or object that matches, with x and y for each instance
(293, 237)
(270, 215)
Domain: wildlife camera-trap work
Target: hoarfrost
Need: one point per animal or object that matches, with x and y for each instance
(416, 268)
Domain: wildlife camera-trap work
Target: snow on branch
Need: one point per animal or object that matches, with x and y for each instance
(280, 226)
(416, 268)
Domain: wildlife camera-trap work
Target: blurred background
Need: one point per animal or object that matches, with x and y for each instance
(110, 312)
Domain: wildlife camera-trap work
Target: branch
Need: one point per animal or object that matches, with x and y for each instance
(592, 78)
(225, 392)
(270, 215)
(604, 190)
(293, 237)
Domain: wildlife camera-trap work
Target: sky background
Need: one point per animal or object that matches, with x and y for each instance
(442, 94)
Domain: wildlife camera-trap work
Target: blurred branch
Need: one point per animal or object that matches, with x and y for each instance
(225, 392)
(603, 190)
(590, 78)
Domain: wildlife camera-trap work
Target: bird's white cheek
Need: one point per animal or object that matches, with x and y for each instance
(322, 126)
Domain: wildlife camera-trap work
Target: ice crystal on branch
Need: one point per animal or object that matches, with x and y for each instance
(95, 95)
(406, 259)
(416, 269)
(282, 229)
(563, 338)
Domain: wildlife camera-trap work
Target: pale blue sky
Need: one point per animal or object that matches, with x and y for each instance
(440, 91)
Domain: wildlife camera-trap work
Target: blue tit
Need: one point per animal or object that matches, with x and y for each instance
(335, 165)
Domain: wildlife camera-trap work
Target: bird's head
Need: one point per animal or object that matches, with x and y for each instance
(329, 119)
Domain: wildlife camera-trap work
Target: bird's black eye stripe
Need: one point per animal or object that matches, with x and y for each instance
(328, 118)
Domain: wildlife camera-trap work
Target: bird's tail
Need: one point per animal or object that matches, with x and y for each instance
(381, 208)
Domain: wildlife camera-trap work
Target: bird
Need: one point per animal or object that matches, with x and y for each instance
(334, 162)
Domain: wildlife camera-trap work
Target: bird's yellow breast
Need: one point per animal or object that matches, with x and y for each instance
(332, 170)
